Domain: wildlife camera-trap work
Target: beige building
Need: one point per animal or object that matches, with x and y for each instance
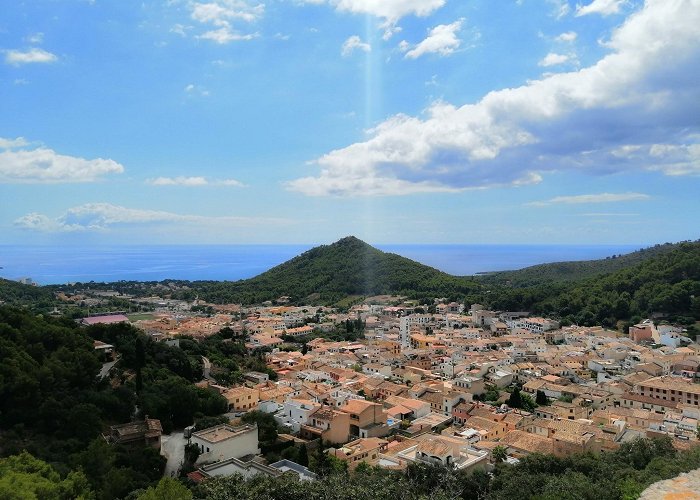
(329, 425)
(361, 450)
(224, 441)
(241, 398)
(673, 389)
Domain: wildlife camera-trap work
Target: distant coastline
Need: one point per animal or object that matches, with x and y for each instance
(60, 264)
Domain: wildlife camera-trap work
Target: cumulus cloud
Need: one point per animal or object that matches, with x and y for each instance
(442, 39)
(19, 142)
(602, 7)
(568, 36)
(671, 159)
(221, 15)
(553, 59)
(193, 182)
(642, 93)
(391, 11)
(354, 43)
(587, 199)
(560, 8)
(20, 163)
(34, 55)
(103, 216)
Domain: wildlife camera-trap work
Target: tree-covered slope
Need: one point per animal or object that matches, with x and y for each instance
(330, 272)
(15, 293)
(667, 284)
(556, 272)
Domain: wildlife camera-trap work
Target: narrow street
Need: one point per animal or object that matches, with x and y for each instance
(206, 371)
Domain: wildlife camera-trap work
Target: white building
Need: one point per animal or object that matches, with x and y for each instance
(224, 441)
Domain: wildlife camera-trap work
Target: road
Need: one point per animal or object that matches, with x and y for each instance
(173, 447)
(207, 369)
(106, 367)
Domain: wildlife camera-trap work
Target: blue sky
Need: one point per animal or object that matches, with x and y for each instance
(302, 121)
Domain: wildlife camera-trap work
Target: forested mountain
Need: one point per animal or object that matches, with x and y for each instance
(556, 272)
(328, 273)
(667, 284)
(352, 267)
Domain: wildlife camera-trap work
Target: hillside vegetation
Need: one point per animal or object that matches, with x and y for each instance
(54, 406)
(328, 273)
(666, 284)
(556, 272)
(662, 280)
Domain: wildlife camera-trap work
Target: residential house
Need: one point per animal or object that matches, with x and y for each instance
(367, 419)
(225, 441)
(241, 398)
(327, 424)
(146, 432)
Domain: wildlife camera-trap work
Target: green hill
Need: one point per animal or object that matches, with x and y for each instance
(556, 272)
(330, 272)
(666, 284)
(15, 293)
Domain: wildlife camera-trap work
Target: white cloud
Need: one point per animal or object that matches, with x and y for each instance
(553, 59)
(225, 35)
(642, 92)
(560, 8)
(19, 142)
(179, 181)
(35, 38)
(30, 56)
(180, 29)
(352, 43)
(568, 36)
(587, 199)
(104, 216)
(193, 89)
(442, 40)
(391, 11)
(19, 164)
(602, 7)
(193, 181)
(221, 14)
(229, 182)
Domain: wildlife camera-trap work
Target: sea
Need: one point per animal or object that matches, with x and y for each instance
(67, 264)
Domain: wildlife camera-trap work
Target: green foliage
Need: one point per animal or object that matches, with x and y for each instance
(53, 405)
(499, 454)
(541, 398)
(175, 401)
(206, 422)
(25, 477)
(167, 489)
(16, 294)
(267, 426)
(662, 280)
(558, 272)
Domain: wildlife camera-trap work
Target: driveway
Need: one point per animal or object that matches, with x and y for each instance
(173, 448)
(207, 369)
(106, 367)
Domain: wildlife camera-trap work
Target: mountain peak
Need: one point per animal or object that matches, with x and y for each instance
(350, 240)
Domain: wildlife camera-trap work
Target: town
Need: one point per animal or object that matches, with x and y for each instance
(441, 383)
